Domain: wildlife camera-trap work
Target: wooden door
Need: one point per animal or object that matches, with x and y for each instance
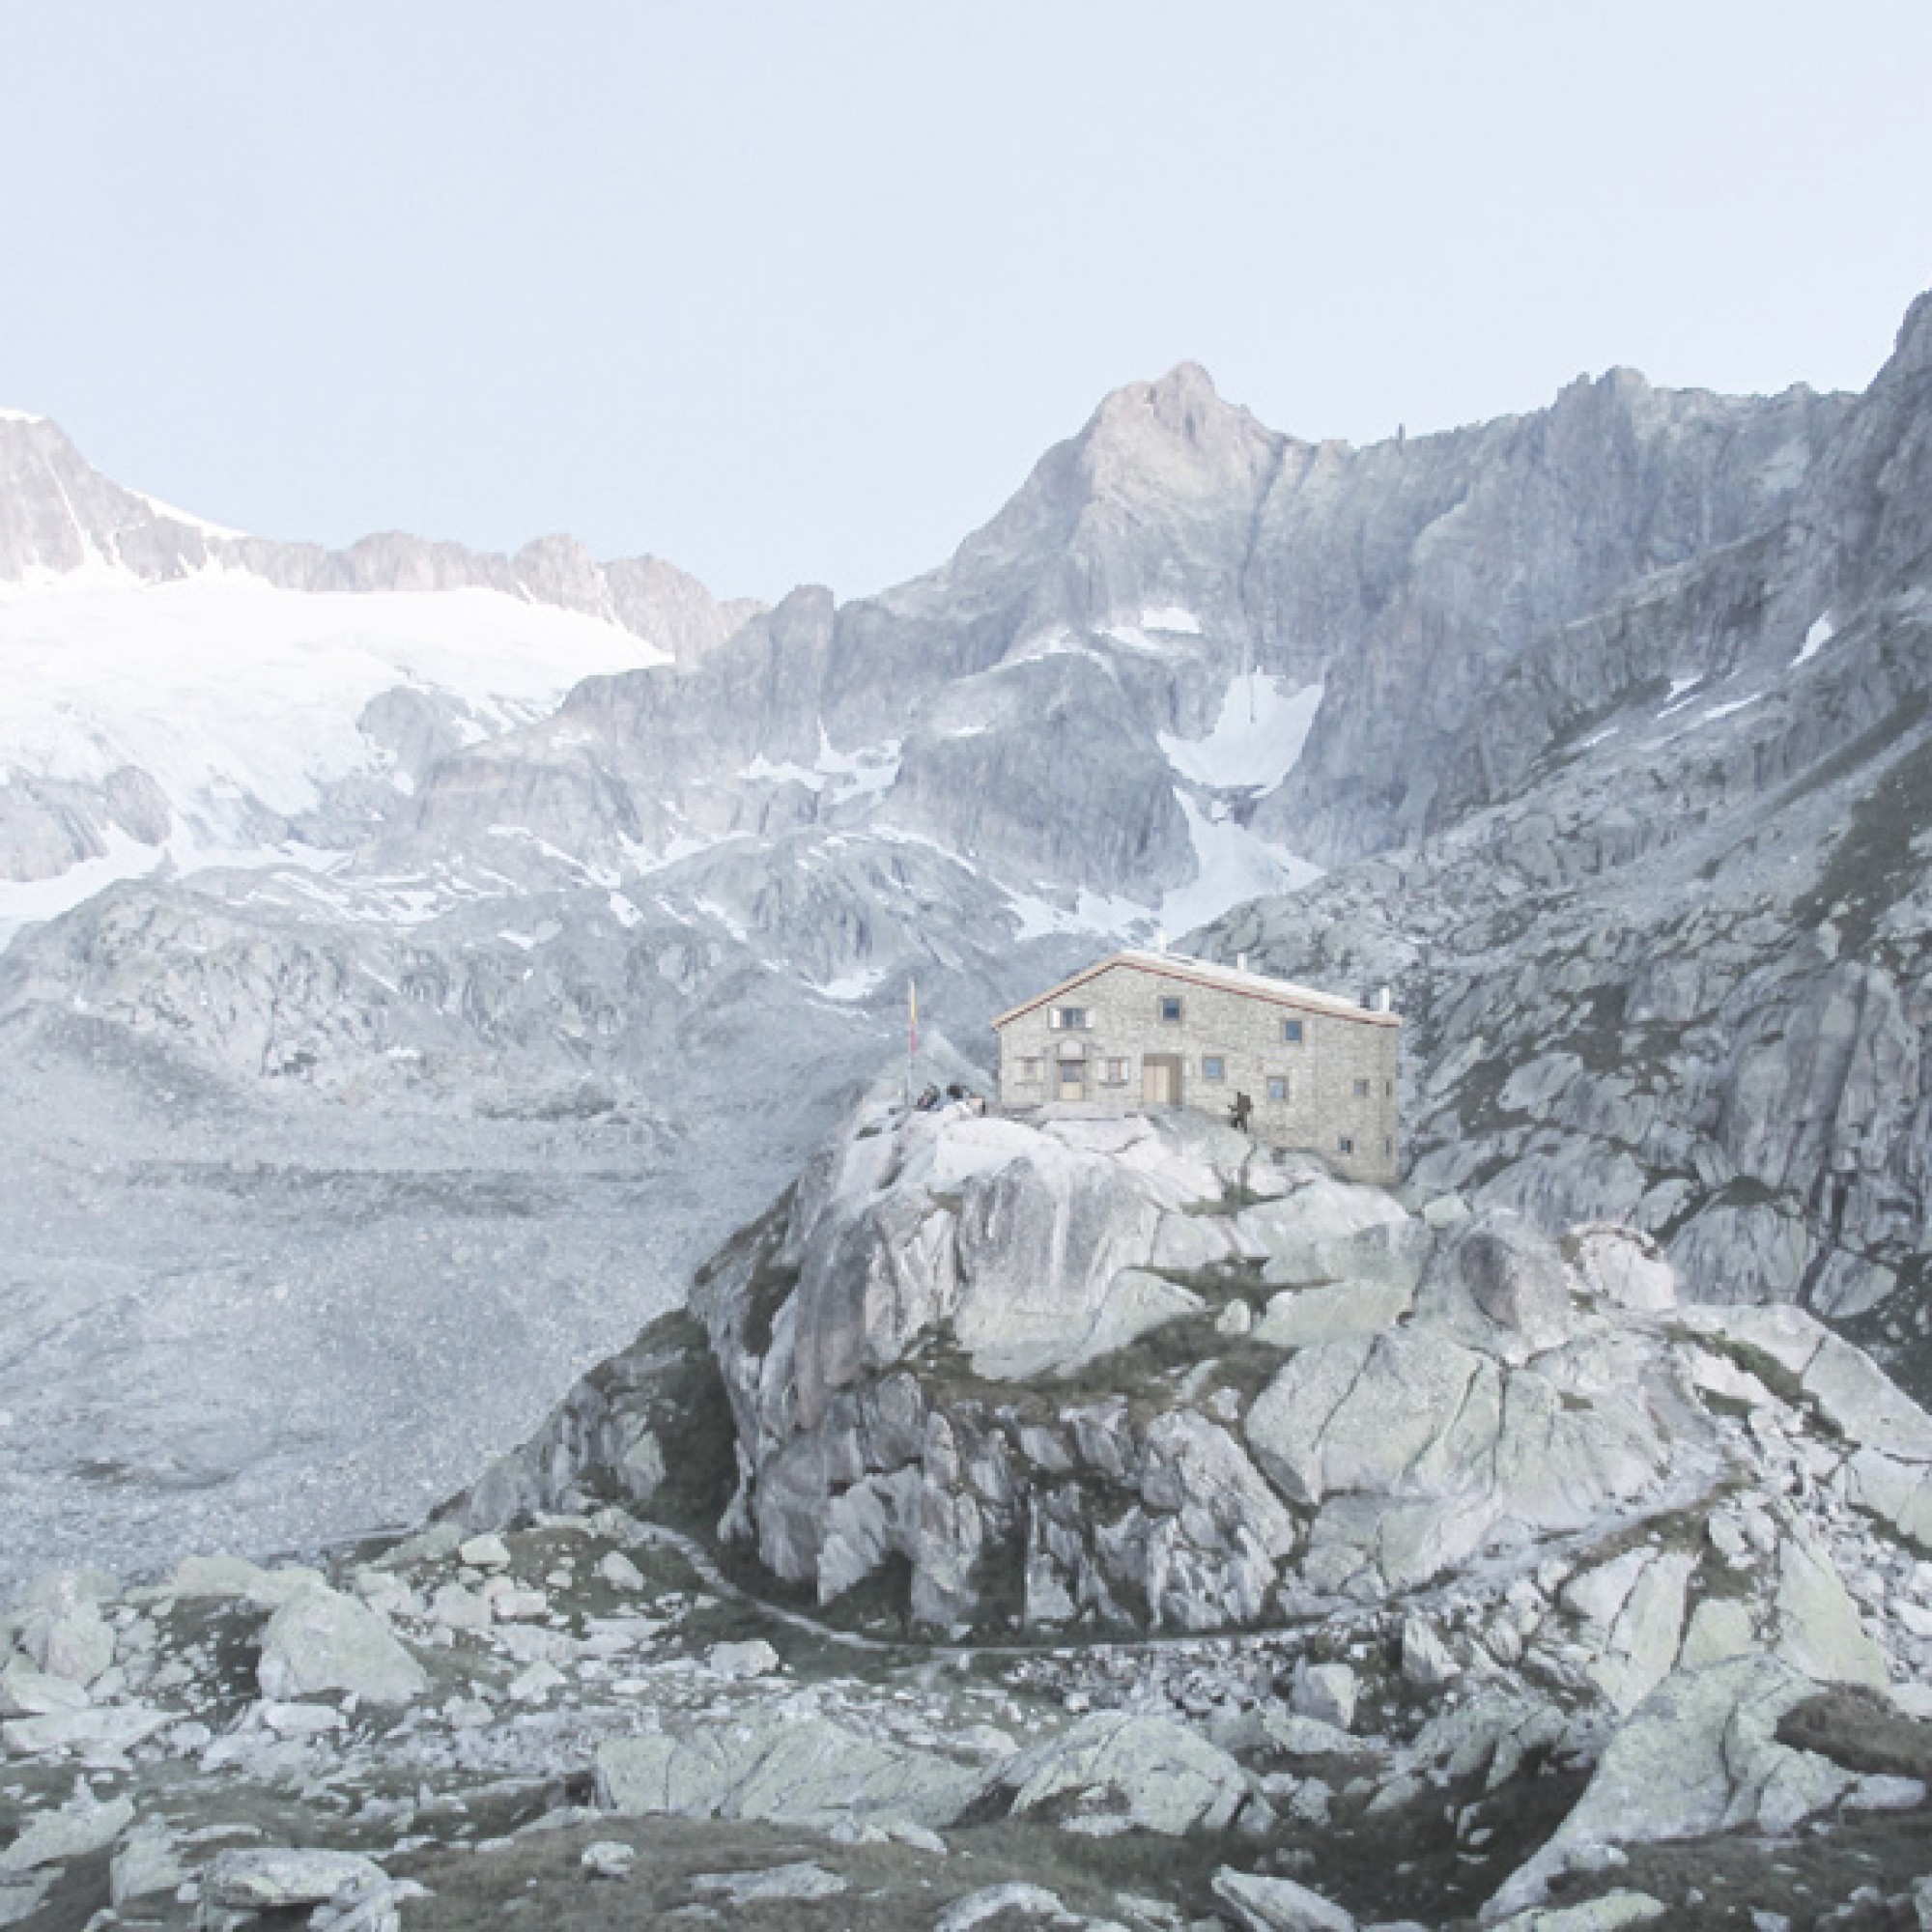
(1072, 1085)
(1160, 1080)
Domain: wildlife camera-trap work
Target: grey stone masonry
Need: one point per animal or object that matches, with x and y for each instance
(1143, 1030)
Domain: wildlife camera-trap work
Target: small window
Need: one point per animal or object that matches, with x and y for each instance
(1388, 1147)
(1115, 1073)
(1277, 1086)
(1347, 1145)
(1029, 1070)
(1291, 1031)
(1388, 1089)
(1170, 1010)
(1361, 1089)
(1069, 1020)
(1213, 1067)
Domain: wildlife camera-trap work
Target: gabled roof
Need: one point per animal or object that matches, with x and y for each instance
(1181, 967)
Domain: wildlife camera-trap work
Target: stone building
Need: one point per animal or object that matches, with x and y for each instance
(1142, 1031)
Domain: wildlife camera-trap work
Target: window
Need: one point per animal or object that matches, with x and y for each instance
(1029, 1072)
(1291, 1031)
(1072, 1076)
(1388, 1088)
(1114, 1073)
(1361, 1089)
(1213, 1067)
(1067, 1019)
(1347, 1145)
(1170, 1010)
(1277, 1086)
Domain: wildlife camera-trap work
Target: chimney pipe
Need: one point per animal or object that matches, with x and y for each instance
(1241, 962)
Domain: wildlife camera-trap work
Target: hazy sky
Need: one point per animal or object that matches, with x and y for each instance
(800, 290)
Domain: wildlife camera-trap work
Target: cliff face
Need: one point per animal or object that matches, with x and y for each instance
(1670, 963)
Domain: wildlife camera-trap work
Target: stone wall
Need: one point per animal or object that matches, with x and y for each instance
(1325, 1110)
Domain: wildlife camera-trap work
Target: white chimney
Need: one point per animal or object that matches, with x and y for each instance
(1381, 1002)
(1241, 962)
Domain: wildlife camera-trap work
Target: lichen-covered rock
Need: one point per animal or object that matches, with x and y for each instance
(322, 1640)
(792, 1769)
(1149, 1771)
(1700, 1755)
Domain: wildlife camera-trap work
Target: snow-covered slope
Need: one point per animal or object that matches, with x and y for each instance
(218, 719)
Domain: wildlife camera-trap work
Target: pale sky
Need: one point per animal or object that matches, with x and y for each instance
(798, 290)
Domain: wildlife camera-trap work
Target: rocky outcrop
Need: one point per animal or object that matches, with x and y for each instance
(928, 1360)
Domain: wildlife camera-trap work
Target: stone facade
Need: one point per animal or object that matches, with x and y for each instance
(1145, 1030)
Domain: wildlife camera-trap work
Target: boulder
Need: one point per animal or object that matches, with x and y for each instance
(1501, 1287)
(27, 1692)
(322, 1640)
(1622, 1265)
(104, 1730)
(1819, 1629)
(1149, 1772)
(789, 1767)
(147, 1865)
(1326, 1693)
(62, 1631)
(52, 1837)
(233, 1577)
(1699, 1755)
(1260, 1904)
(274, 1878)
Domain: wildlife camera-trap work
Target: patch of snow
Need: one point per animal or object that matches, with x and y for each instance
(1725, 710)
(1821, 634)
(1103, 916)
(852, 986)
(761, 771)
(729, 920)
(1235, 866)
(867, 772)
(1257, 740)
(238, 698)
(1597, 738)
(627, 914)
(1680, 688)
(1171, 617)
(20, 416)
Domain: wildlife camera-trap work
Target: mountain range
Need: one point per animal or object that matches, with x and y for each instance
(448, 951)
